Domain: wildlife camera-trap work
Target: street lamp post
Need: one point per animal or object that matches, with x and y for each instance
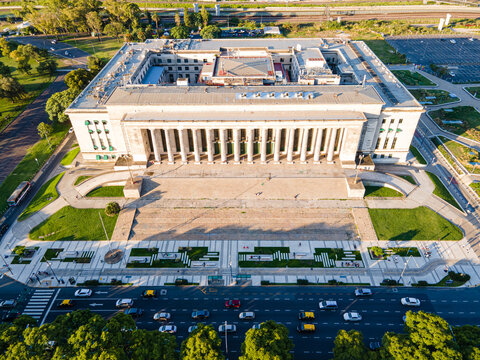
(50, 266)
(226, 338)
(361, 156)
(8, 267)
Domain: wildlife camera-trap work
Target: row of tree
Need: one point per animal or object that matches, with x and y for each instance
(82, 335)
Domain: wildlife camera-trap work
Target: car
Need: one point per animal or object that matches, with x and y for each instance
(232, 304)
(70, 130)
(52, 49)
(352, 316)
(453, 41)
(134, 312)
(410, 301)
(306, 315)
(247, 315)
(8, 304)
(229, 328)
(257, 326)
(162, 316)
(124, 303)
(363, 292)
(375, 345)
(306, 328)
(10, 316)
(404, 318)
(171, 329)
(53, 41)
(67, 303)
(149, 293)
(83, 293)
(328, 305)
(192, 328)
(201, 314)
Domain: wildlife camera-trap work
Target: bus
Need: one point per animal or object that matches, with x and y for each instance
(19, 193)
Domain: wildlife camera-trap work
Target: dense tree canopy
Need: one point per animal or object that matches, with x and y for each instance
(349, 346)
(57, 103)
(210, 32)
(203, 344)
(179, 32)
(270, 342)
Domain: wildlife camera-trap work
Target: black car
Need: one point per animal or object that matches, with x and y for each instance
(199, 315)
(10, 316)
(134, 312)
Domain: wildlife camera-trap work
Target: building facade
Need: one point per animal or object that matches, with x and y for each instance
(232, 101)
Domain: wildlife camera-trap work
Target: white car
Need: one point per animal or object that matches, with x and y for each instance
(409, 301)
(162, 316)
(83, 293)
(229, 328)
(171, 329)
(363, 292)
(124, 303)
(248, 315)
(352, 316)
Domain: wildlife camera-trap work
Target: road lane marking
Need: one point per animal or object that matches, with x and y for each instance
(50, 307)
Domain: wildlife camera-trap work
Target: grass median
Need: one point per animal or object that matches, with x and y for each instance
(104, 49)
(460, 120)
(70, 156)
(420, 223)
(75, 224)
(409, 78)
(442, 192)
(107, 191)
(421, 160)
(381, 191)
(433, 97)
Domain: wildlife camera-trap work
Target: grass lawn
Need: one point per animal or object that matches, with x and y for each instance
(442, 192)
(34, 85)
(418, 156)
(400, 251)
(470, 118)
(81, 179)
(386, 52)
(70, 156)
(143, 251)
(476, 187)
(74, 224)
(104, 49)
(409, 78)
(107, 191)
(419, 223)
(50, 254)
(409, 178)
(462, 153)
(475, 91)
(441, 96)
(195, 253)
(381, 191)
(47, 194)
(28, 166)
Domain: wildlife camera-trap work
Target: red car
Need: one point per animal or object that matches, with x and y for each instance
(232, 304)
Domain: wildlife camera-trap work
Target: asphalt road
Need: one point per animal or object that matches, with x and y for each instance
(381, 312)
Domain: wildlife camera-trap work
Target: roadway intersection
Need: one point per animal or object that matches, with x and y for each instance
(382, 312)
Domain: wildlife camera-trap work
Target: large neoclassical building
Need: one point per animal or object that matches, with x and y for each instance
(245, 100)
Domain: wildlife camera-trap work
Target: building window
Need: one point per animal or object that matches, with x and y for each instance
(269, 134)
(378, 143)
(185, 60)
(385, 144)
(179, 60)
(382, 156)
(374, 156)
(389, 156)
(196, 68)
(400, 121)
(216, 135)
(281, 59)
(179, 68)
(243, 134)
(186, 68)
(195, 60)
(384, 121)
(170, 68)
(394, 142)
(169, 60)
(205, 60)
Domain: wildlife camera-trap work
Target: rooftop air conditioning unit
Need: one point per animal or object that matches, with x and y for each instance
(300, 94)
(310, 96)
(243, 95)
(272, 94)
(285, 94)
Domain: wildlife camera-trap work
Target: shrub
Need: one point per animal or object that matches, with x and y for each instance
(458, 276)
(112, 209)
(377, 251)
(302, 282)
(389, 282)
(181, 282)
(91, 283)
(422, 283)
(265, 282)
(332, 282)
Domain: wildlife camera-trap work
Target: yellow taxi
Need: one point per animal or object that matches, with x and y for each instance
(306, 328)
(306, 315)
(67, 303)
(149, 293)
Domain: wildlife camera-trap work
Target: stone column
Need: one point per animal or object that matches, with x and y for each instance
(278, 139)
(196, 146)
(208, 133)
(183, 152)
(291, 138)
(156, 150)
(263, 150)
(236, 145)
(318, 144)
(168, 144)
(303, 151)
(250, 145)
(223, 145)
(331, 145)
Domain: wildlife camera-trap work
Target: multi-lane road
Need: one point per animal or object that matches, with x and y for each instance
(381, 312)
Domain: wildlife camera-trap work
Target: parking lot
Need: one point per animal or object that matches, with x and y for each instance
(460, 54)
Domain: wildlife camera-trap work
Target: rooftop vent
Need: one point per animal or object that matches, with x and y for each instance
(257, 95)
(243, 95)
(310, 96)
(285, 94)
(272, 95)
(300, 94)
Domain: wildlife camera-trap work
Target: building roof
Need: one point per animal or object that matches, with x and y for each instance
(243, 66)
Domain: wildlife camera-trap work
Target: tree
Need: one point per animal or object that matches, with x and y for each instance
(76, 80)
(270, 342)
(147, 345)
(203, 343)
(48, 66)
(179, 32)
(156, 19)
(58, 103)
(10, 88)
(4, 69)
(210, 32)
(205, 16)
(22, 60)
(44, 130)
(94, 22)
(178, 19)
(114, 29)
(187, 20)
(377, 251)
(5, 46)
(349, 346)
(112, 209)
(95, 64)
(468, 340)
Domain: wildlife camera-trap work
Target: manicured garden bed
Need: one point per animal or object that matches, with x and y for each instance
(143, 251)
(442, 192)
(400, 251)
(420, 223)
(409, 78)
(464, 155)
(74, 224)
(441, 146)
(469, 117)
(51, 254)
(474, 90)
(81, 179)
(381, 191)
(433, 97)
(107, 191)
(70, 156)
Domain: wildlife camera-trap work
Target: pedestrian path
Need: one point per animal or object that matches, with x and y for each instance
(38, 303)
(323, 257)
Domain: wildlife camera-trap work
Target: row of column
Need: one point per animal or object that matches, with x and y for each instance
(329, 147)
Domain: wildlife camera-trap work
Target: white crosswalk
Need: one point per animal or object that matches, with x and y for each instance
(38, 302)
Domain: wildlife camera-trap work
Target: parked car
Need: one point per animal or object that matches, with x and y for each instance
(192, 328)
(410, 301)
(8, 304)
(124, 303)
(149, 293)
(162, 316)
(10, 316)
(229, 328)
(201, 314)
(352, 316)
(134, 312)
(232, 304)
(375, 345)
(247, 315)
(328, 305)
(67, 303)
(171, 329)
(83, 293)
(363, 292)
